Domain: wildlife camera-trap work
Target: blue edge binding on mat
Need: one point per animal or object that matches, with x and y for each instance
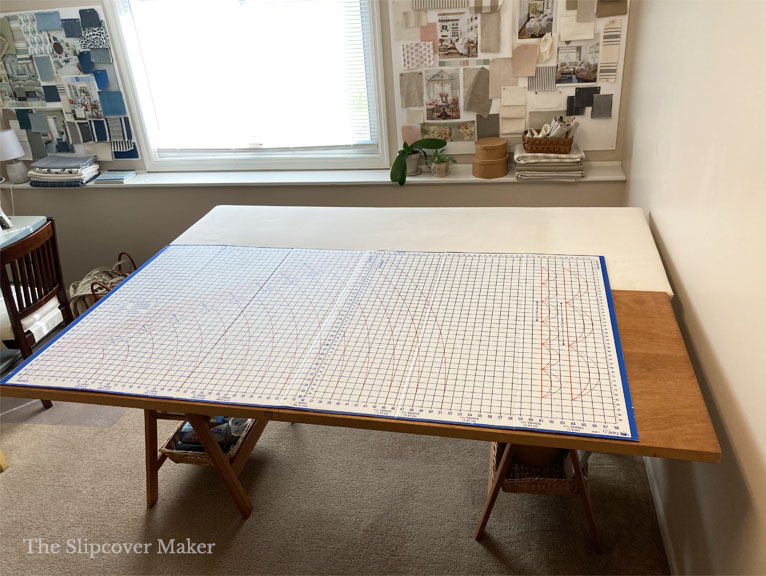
(617, 344)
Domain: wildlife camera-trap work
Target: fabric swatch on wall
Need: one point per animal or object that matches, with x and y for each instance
(525, 59)
(7, 34)
(23, 118)
(101, 150)
(94, 38)
(86, 135)
(410, 133)
(415, 19)
(478, 99)
(48, 21)
(513, 96)
(572, 110)
(570, 29)
(86, 64)
(102, 79)
(549, 101)
(411, 89)
(438, 4)
(38, 122)
(607, 8)
(489, 32)
(73, 133)
(415, 116)
(72, 28)
(609, 53)
(513, 111)
(488, 127)
(512, 125)
(571, 4)
(485, 6)
(417, 55)
(90, 18)
(101, 55)
(51, 93)
(112, 103)
(129, 154)
(586, 10)
(500, 74)
(119, 129)
(544, 79)
(584, 96)
(602, 106)
(539, 118)
(45, 70)
(428, 34)
(546, 48)
(468, 75)
(98, 129)
(37, 145)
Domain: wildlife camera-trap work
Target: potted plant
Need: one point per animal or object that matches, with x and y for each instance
(407, 161)
(440, 162)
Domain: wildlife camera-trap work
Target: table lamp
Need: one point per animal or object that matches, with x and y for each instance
(10, 149)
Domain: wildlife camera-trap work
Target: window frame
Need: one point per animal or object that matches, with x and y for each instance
(136, 86)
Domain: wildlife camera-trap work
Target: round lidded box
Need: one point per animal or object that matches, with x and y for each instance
(491, 148)
(494, 168)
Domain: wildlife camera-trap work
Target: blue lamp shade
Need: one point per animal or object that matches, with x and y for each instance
(10, 147)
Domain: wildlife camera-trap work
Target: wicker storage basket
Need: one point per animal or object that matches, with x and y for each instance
(200, 458)
(547, 145)
(547, 479)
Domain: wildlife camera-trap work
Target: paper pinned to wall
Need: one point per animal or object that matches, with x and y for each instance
(478, 97)
(489, 32)
(500, 74)
(513, 96)
(609, 53)
(570, 29)
(525, 60)
(411, 89)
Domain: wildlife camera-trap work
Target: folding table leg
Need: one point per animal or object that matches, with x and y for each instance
(222, 464)
(152, 461)
(585, 494)
(505, 462)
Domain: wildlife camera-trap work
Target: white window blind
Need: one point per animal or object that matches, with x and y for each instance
(255, 83)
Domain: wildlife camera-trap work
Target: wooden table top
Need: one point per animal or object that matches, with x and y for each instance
(671, 417)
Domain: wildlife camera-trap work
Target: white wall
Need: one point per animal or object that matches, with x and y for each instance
(694, 152)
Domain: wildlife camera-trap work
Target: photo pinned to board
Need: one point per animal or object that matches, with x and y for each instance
(450, 131)
(443, 94)
(458, 34)
(82, 95)
(535, 19)
(577, 62)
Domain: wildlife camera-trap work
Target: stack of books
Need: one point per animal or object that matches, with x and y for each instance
(63, 171)
(557, 167)
(115, 176)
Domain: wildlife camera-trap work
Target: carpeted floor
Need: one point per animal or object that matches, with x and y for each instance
(326, 501)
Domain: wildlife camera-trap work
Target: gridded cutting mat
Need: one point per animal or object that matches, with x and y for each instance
(507, 340)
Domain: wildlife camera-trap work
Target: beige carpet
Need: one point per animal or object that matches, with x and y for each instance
(326, 501)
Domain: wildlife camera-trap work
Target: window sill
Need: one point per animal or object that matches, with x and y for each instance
(459, 174)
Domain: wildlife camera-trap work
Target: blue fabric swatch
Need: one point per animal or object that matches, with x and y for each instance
(44, 66)
(128, 129)
(99, 130)
(23, 117)
(48, 21)
(112, 103)
(102, 79)
(52, 94)
(39, 122)
(86, 64)
(72, 28)
(129, 155)
(85, 134)
(89, 18)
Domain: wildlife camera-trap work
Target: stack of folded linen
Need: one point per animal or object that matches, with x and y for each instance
(63, 171)
(559, 167)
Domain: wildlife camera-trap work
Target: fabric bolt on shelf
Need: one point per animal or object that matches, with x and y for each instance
(525, 59)
(586, 10)
(411, 89)
(478, 94)
(489, 32)
(488, 127)
(607, 8)
(544, 79)
(602, 106)
(513, 96)
(563, 177)
(72, 27)
(584, 96)
(45, 69)
(513, 111)
(521, 156)
(500, 74)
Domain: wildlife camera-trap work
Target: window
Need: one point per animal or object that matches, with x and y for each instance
(256, 84)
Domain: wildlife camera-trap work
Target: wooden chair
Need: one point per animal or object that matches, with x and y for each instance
(30, 277)
(558, 471)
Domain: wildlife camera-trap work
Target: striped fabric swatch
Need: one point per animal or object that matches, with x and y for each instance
(544, 79)
(118, 128)
(415, 19)
(438, 4)
(98, 129)
(485, 6)
(122, 146)
(610, 51)
(73, 133)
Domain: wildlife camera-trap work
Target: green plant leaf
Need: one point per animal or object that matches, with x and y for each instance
(429, 143)
(399, 168)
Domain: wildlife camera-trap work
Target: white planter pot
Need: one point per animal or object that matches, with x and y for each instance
(413, 164)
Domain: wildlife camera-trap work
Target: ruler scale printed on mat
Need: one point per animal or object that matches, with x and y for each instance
(507, 340)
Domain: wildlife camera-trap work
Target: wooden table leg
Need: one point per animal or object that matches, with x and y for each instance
(221, 463)
(152, 461)
(3, 462)
(505, 462)
(248, 445)
(582, 485)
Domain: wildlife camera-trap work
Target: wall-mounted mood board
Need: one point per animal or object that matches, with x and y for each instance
(468, 69)
(59, 87)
